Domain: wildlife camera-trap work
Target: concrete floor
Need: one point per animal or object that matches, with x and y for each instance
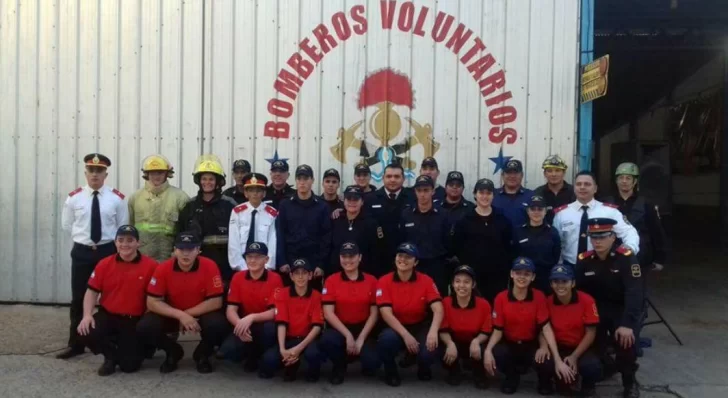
(692, 296)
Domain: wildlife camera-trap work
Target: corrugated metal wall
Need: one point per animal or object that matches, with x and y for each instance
(130, 78)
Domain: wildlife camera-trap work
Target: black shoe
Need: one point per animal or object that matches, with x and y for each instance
(70, 352)
(510, 384)
(108, 368)
(409, 360)
(204, 365)
(337, 375)
(173, 356)
(424, 374)
(631, 392)
(250, 366)
(289, 373)
(587, 391)
(393, 379)
(454, 378)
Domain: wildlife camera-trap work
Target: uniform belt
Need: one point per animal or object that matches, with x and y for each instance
(127, 316)
(156, 228)
(92, 247)
(215, 240)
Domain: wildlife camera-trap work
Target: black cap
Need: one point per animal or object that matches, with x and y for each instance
(300, 263)
(455, 176)
(332, 173)
(353, 192)
(429, 162)
(96, 160)
(424, 181)
(349, 249)
(187, 240)
(241, 164)
(513, 165)
(484, 184)
(362, 168)
(127, 230)
(304, 170)
(537, 201)
(255, 180)
(256, 248)
(464, 269)
(279, 165)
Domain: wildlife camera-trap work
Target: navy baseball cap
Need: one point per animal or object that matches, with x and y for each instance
(513, 165)
(256, 248)
(454, 176)
(353, 192)
(304, 170)
(523, 263)
(242, 164)
(332, 173)
(187, 240)
(408, 248)
(424, 181)
(429, 162)
(484, 184)
(127, 230)
(537, 201)
(349, 249)
(362, 168)
(561, 272)
(300, 263)
(279, 165)
(464, 269)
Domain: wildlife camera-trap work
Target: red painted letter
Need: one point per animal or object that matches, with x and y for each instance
(458, 39)
(358, 15)
(311, 51)
(492, 83)
(280, 108)
(302, 66)
(406, 16)
(421, 22)
(497, 136)
(478, 46)
(387, 11)
(479, 67)
(502, 115)
(326, 41)
(440, 31)
(341, 26)
(276, 129)
(498, 99)
(287, 84)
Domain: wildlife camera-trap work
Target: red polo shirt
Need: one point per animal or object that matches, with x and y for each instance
(299, 313)
(570, 321)
(352, 299)
(410, 299)
(253, 296)
(520, 320)
(184, 290)
(465, 324)
(122, 283)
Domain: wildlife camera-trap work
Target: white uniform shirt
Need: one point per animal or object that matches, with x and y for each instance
(76, 217)
(568, 220)
(265, 232)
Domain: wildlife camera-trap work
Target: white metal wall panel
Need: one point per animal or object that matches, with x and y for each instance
(183, 78)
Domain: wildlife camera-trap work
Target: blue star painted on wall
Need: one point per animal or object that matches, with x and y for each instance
(275, 157)
(500, 161)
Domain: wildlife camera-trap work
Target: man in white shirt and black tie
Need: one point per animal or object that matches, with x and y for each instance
(92, 214)
(571, 220)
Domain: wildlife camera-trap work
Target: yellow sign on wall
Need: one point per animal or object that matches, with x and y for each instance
(594, 79)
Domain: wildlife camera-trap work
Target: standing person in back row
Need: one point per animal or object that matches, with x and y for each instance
(241, 169)
(556, 192)
(362, 179)
(430, 168)
(571, 221)
(278, 188)
(512, 197)
(455, 205)
(330, 194)
(91, 214)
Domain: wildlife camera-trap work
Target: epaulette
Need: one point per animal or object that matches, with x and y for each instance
(612, 205)
(558, 209)
(623, 250)
(75, 191)
(586, 254)
(119, 194)
(271, 210)
(240, 208)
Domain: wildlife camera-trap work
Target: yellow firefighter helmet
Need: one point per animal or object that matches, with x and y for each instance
(209, 164)
(156, 163)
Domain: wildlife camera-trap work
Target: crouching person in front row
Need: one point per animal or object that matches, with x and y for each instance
(185, 294)
(121, 280)
(404, 298)
(300, 318)
(250, 309)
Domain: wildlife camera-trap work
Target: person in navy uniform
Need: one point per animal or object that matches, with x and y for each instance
(430, 168)
(455, 204)
(538, 241)
(241, 168)
(512, 197)
(330, 184)
(427, 227)
(278, 188)
(613, 276)
(556, 192)
(91, 214)
(362, 179)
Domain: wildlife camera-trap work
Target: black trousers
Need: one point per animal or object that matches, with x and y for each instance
(83, 263)
(115, 338)
(435, 268)
(490, 284)
(153, 328)
(464, 356)
(513, 358)
(626, 358)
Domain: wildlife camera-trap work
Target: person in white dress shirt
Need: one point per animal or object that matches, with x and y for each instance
(571, 222)
(256, 214)
(92, 214)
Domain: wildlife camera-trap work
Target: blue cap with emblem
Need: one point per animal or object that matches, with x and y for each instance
(408, 248)
(349, 249)
(304, 170)
(464, 269)
(279, 165)
(424, 181)
(300, 263)
(513, 166)
(523, 263)
(484, 184)
(127, 230)
(561, 272)
(352, 192)
(242, 165)
(536, 202)
(187, 240)
(454, 176)
(256, 248)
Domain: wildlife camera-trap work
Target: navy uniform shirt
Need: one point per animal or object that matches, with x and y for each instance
(235, 194)
(513, 205)
(555, 200)
(437, 198)
(430, 231)
(456, 211)
(485, 243)
(387, 211)
(273, 197)
(333, 204)
(364, 231)
(542, 245)
(304, 231)
(644, 216)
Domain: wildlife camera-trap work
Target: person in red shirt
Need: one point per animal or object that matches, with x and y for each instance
(574, 319)
(300, 319)
(522, 333)
(185, 295)
(121, 280)
(350, 310)
(465, 327)
(404, 298)
(250, 309)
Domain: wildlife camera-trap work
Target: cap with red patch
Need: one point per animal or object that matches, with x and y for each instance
(600, 227)
(96, 160)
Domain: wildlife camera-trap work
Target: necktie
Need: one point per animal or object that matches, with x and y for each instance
(96, 219)
(582, 229)
(393, 196)
(251, 232)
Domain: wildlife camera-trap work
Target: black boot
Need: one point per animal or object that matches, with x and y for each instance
(424, 373)
(70, 352)
(631, 389)
(107, 368)
(290, 372)
(174, 354)
(454, 375)
(510, 383)
(545, 386)
(391, 377)
(338, 371)
(479, 377)
(250, 365)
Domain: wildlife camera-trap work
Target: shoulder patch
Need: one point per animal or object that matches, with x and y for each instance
(612, 205)
(240, 208)
(585, 254)
(271, 210)
(558, 209)
(636, 271)
(119, 194)
(380, 233)
(624, 250)
(75, 191)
